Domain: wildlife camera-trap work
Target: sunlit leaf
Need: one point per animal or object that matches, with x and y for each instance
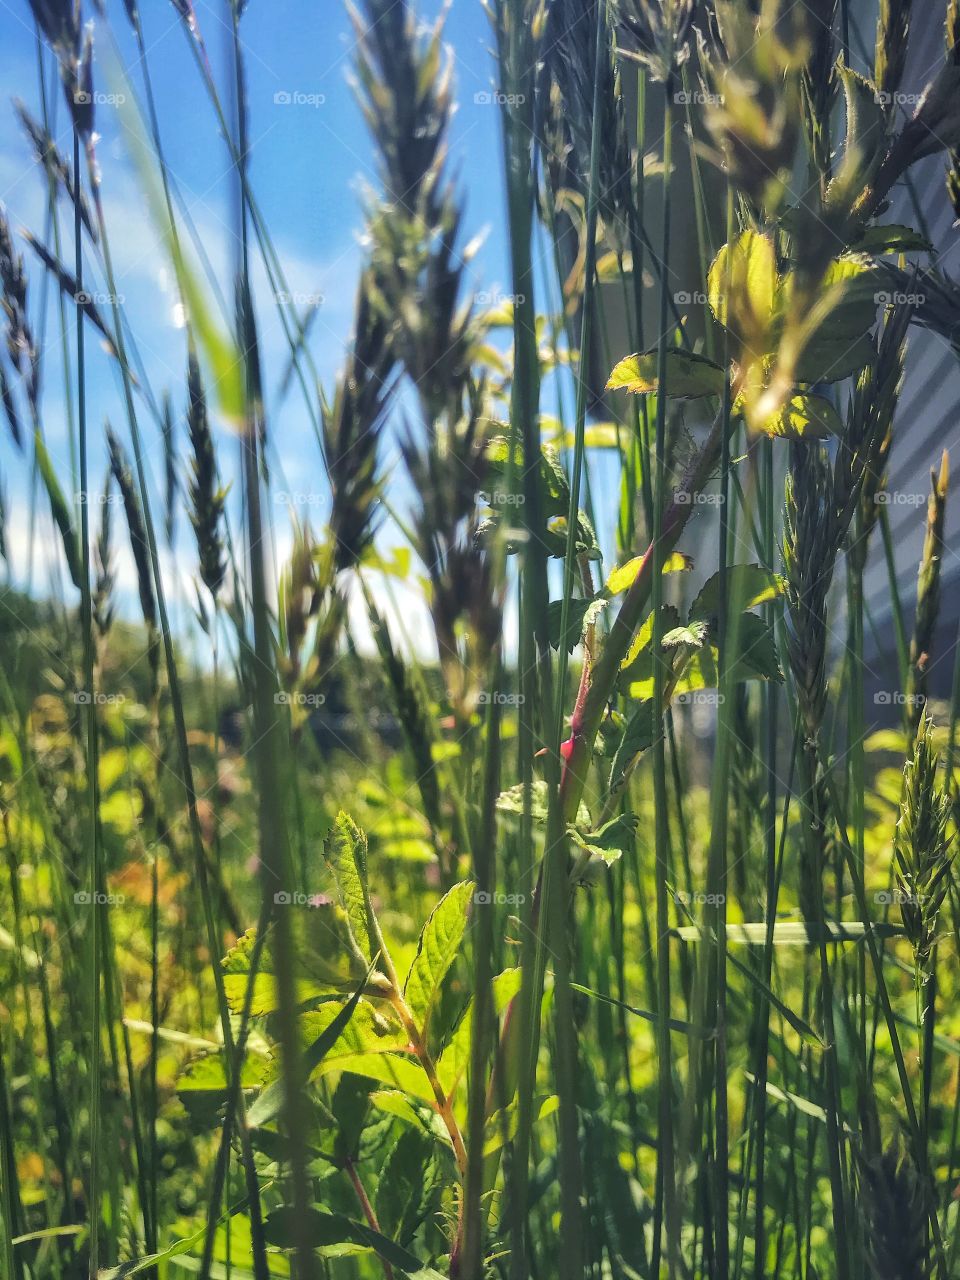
(689, 375)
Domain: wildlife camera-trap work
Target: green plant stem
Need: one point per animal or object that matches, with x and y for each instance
(90, 718)
(666, 1175)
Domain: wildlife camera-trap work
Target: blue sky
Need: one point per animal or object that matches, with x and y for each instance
(311, 159)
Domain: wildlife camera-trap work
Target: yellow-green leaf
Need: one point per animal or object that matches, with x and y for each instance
(689, 376)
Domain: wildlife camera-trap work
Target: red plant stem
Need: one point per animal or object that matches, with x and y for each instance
(367, 1207)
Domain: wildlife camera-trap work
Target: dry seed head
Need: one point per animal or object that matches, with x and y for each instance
(922, 846)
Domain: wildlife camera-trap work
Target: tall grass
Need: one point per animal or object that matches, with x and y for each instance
(608, 926)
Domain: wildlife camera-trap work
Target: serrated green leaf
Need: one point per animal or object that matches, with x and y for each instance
(637, 737)
(345, 849)
(437, 949)
(580, 615)
(406, 1185)
(511, 801)
(624, 575)
(892, 238)
(742, 283)
(804, 416)
(745, 586)
(268, 1105)
(453, 1061)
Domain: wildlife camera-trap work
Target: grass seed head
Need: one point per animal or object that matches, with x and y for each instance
(921, 845)
(207, 496)
(928, 591)
(352, 427)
